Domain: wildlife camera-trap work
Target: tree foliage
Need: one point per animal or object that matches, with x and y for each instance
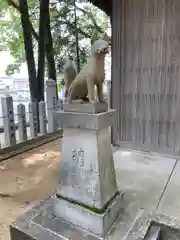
(91, 24)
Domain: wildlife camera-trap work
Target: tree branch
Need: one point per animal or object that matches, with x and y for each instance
(105, 6)
(72, 25)
(14, 5)
(91, 16)
(34, 33)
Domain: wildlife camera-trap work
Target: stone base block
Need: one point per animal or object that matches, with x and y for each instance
(40, 223)
(86, 107)
(87, 121)
(154, 226)
(97, 223)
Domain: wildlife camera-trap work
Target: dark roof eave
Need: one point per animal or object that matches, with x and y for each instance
(104, 5)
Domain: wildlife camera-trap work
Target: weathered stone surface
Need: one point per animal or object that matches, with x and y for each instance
(96, 107)
(85, 120)
(42, 118)
(138, 174)
(33, 119)
(97, 223)
(87, 172)
(22, 129)
(51, 104)
(41, 224)
(153, 233)
(8, 121)
(170, 204)
(87, 194)
(169, 227)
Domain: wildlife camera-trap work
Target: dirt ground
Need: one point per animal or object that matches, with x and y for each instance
(26, 179)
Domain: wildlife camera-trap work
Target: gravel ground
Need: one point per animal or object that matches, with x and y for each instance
(25, 180)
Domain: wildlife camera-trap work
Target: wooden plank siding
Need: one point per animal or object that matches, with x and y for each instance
(146, 74)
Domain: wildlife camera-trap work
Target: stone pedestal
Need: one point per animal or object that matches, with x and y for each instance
(87, 198)
(87, 195)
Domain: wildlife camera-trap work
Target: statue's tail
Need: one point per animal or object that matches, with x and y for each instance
(66, 93)
(70, 74)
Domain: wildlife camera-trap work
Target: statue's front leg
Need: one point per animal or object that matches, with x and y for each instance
(100, 92)
(66, 88)
(90, 88)
(66, 94)
(69, 95)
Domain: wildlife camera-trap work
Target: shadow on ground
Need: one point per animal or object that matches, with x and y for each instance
(26, 179)
(149, 182)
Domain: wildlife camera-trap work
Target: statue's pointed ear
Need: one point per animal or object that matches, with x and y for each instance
(107, 38)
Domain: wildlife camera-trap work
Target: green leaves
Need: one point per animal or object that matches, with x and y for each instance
(12, 68)
(91, 25)
(11, 38)
(3, 6)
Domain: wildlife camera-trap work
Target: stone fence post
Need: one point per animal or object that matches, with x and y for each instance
(33, 119)
(51, 104)
(60, 104)
(42, 118)
(8, 121)
(22, 128)
(109, 93)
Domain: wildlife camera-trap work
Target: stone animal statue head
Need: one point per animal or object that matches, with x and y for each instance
(107, 38)
(69, 63)
(100, 47)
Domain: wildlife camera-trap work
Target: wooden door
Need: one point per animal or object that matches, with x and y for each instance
(146, 78)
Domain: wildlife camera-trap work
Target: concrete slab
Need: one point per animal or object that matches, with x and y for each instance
(170, 203)
(154, 226)
(142, 177)
(40, 223)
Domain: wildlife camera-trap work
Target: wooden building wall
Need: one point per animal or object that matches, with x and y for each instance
(146, 74)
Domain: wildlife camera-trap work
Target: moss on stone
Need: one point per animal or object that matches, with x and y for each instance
(93, 209)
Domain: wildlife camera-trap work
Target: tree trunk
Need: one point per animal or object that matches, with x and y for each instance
(28, 45)
(44, 4)
(77, 37)
(44, 8)
(49, 49)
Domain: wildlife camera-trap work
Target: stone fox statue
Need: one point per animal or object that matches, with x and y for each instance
(69, 74)
(91, 75)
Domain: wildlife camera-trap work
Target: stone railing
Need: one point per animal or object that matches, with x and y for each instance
(19, 127)
(19, 124)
